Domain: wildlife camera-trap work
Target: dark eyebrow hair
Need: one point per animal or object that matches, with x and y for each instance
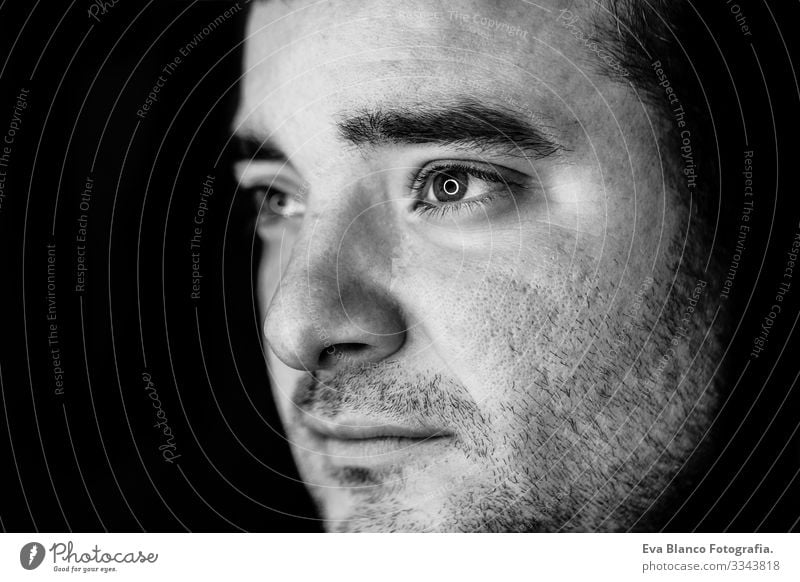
(247, 146)
(465, 123)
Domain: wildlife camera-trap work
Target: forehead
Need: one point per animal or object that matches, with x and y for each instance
(332, 56)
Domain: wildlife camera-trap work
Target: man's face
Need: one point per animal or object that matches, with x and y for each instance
(477, 311)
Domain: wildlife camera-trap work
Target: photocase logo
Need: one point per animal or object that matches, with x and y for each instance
(31, 555)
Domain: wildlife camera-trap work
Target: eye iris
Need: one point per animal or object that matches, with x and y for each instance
(278, 202)
(449, 187)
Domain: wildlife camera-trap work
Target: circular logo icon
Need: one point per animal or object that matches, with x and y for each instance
(31, 555)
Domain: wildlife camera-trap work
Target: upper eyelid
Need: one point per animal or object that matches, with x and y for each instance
(248, 170)
(288, 184)
(255, 174)
(420, 176)
(469, 164)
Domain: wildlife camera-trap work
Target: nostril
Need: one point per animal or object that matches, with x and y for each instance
(338, 354)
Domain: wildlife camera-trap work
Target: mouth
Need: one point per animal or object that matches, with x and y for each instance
(363, 441)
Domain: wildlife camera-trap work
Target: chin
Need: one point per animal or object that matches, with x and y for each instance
(359, 500)
(417, 505)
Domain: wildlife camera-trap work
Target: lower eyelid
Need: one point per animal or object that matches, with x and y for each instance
(468, 206)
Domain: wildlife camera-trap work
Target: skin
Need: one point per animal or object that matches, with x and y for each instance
(548, 335)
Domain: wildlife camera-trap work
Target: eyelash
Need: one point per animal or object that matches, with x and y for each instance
(419, 184)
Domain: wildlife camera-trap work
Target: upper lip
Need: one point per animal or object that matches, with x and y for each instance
(362, 429)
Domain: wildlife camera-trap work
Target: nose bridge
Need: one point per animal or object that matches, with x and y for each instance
(344, 240)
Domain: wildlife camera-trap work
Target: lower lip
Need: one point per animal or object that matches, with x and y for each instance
(381, 450)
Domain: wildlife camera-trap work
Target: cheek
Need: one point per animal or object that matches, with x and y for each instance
(283, 381)
(528, 332)
(277, 246)
(509, 320)
(282, 378)
(267, 282)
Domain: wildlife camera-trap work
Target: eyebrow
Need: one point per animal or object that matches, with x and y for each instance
(466, 123)
(249, 147)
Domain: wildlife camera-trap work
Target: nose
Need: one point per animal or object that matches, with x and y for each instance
(330, 310)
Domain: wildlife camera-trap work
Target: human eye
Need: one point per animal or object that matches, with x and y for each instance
(274, 190)
(275, 203)
(276, 195)
(450, 188)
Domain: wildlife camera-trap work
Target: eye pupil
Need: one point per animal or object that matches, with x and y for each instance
(450, 187)
(275, 201)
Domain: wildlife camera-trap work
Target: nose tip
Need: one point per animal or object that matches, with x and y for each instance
(311, 333)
